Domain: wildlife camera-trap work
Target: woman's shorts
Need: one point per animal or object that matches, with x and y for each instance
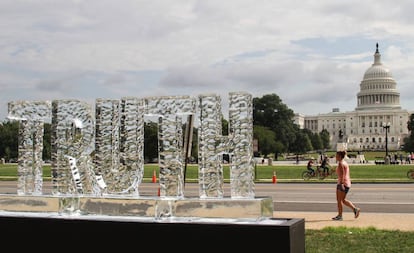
(345, 189)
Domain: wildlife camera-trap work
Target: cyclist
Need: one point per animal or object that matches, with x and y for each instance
(310, 167)
(325, 165)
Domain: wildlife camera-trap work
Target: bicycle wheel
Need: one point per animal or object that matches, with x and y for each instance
(306, 175)
(410, 174)
(333, 174)
(321, 175)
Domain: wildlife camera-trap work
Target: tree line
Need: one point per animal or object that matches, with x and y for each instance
(273, 128)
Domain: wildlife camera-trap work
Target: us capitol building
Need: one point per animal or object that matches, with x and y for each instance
(378, 110)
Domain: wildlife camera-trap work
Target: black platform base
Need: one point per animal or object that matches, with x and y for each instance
(50, 233)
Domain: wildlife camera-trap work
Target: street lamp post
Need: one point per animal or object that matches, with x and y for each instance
(386, 126)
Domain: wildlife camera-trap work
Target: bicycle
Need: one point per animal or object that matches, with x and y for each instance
(307, 174)
(331, 173)
(319, 173)
(410, 174)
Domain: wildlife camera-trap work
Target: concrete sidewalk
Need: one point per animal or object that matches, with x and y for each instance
(387, 221)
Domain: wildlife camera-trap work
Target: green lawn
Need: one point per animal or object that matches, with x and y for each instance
(356, 240)
(263, 173)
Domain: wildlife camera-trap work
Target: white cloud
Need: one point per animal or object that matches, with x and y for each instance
(312, 54)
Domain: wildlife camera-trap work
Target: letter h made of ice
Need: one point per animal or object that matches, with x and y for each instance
(238, 145)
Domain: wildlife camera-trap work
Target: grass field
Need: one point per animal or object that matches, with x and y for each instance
(263, 173)
(358, 240)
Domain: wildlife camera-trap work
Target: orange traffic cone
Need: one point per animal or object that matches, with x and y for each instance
(154, 177)
(274, 178)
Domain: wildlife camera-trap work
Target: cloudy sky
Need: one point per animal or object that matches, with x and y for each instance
(312, 54)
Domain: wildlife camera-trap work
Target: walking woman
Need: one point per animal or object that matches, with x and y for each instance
(343, 186)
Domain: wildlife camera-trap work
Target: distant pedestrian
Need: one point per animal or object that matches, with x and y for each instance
(343, 186)
(325, 166)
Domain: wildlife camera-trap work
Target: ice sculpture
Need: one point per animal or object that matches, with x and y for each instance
(72, 137)
(102, 154)
(32, 115)
(97, 164)
(210, 162)
(119, 142)
(170, 111)
(241, 145)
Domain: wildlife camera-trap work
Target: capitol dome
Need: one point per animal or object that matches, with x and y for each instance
(377, 71)
(378, 89)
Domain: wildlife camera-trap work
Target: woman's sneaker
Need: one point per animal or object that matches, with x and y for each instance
(337, 217)
(356, 212)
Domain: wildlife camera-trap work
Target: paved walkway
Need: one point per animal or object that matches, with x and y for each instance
(319, 220)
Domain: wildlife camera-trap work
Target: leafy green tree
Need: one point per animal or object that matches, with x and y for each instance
(302, 143)
(9, 143)
(47, 148)
(194, 147)
(7, 154)
(315, 139)
(9, 132)
(150, 141)
(269, 111)
(409, 141)
(279, 149)
(324, 134)
(266, 140)
(224, 126)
